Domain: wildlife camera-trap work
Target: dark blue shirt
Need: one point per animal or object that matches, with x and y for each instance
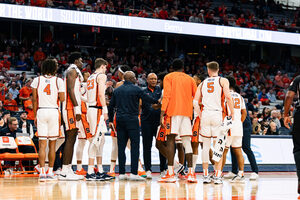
(148, 113)
(247, 124)
(7, 132)
(125, 101)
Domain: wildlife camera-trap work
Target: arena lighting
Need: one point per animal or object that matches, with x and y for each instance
(144, 24)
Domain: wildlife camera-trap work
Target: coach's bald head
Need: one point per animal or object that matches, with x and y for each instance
(130, 76)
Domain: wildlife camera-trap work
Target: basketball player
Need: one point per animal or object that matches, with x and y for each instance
(71, 114)
(179, 91)
(235, 135)
(96, 86)
(114, 153)
(48, 90)
(84, 127)
(212, 92)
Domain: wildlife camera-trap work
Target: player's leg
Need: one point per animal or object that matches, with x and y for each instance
(205, 158)
(114, 156)
(237, 149)
(195, 146)
(224, 157)
(79, 153)
(51, 157)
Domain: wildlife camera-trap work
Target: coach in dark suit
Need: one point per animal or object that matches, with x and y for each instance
(125, 100)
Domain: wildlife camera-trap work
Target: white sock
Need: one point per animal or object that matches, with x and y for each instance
(241, 173)
(195, 157)
(79, 167)
(65, 168)
(140, 166)
(218, 173)
(90, 169)
(112, 167)
(43, 171)
(50, 170)
(171, 170)
(191, 170)
(205, 172)
(100, 168)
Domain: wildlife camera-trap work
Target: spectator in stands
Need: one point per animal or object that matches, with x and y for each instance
(3, 89)
(263, 98)
(163, 13)
(275, 115)
(25, 125)
(13, 90)
(271, 96)
(193, 17)
(272, 130)
(28, 106)
(5, 63)
(201, 18)
(21, 64)
(4, 118)
(39, 55)
(256, 127)
(23, 77)
(10, 104)
(25, 91)
(11, 129)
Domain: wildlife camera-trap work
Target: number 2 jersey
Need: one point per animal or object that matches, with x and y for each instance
(48, 88)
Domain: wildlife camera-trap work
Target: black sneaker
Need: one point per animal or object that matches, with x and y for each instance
(91, 177)
(104, 176)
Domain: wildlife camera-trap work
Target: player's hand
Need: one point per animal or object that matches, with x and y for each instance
(232, 117)
(78, 117)
(162, 122)
(111, 125)
(105, 116)
(287, 121)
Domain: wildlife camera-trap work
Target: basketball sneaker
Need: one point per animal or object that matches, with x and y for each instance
(42, 177)
(254, 176)
(93, 177)
(206, 179)
(229, 175)
(149, 175)
(37, 168)
(238, 179)
(163, 173)
(104, 175)
(122, 176)
(79, 177)
(81, 172)
(218, 180)
(168, 178)
(142, 174)
(182, 175)
(51, 177)
(191, 178)
(112, 174)
(178, 167)
(134, 177)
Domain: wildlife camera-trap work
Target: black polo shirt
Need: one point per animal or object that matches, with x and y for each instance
(148, 113)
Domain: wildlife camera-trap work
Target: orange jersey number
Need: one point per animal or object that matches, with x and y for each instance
(237, 103)
(47, 89)
(90, 84)
(210, 87)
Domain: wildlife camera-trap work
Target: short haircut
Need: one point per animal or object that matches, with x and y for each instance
(99, 62)
(83, 73)
(213, 66)
(11, 120)
(74, 56)
(49, 67)
(232, 82)
(125, 68)
(177, 64)
(200, 77)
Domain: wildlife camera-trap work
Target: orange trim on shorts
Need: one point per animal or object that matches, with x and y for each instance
(236, 147)
(71, 119)
(86, 127)
(207, 136)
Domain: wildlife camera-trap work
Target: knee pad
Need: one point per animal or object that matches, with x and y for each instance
(186, 141)
(205, 150)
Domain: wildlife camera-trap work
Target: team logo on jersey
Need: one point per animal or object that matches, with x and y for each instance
(168, 126)
(195, 133)
(161, 134)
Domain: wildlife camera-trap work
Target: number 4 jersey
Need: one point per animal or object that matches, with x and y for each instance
(48, 88)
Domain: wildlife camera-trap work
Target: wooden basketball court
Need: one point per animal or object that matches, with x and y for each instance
(270, 186)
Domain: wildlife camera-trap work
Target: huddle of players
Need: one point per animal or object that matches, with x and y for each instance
(181, 98)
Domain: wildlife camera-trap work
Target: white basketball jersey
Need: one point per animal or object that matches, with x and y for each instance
(77, 88)
(238, 105)
(48, 88)
(93, 90)
(83, 89)
(212, 94)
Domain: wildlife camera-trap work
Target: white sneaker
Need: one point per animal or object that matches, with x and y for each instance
(37, 168)
(238, 179)
(51, 177)
(42, 177)
(67, 176)
(134, 177)
(254, 176)
(218, 180)
(58, 171)
(163, 173)
(122, 177)
(229, 175)
(206, 179)
(149, 176)
(79, 177)
(178, 168)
